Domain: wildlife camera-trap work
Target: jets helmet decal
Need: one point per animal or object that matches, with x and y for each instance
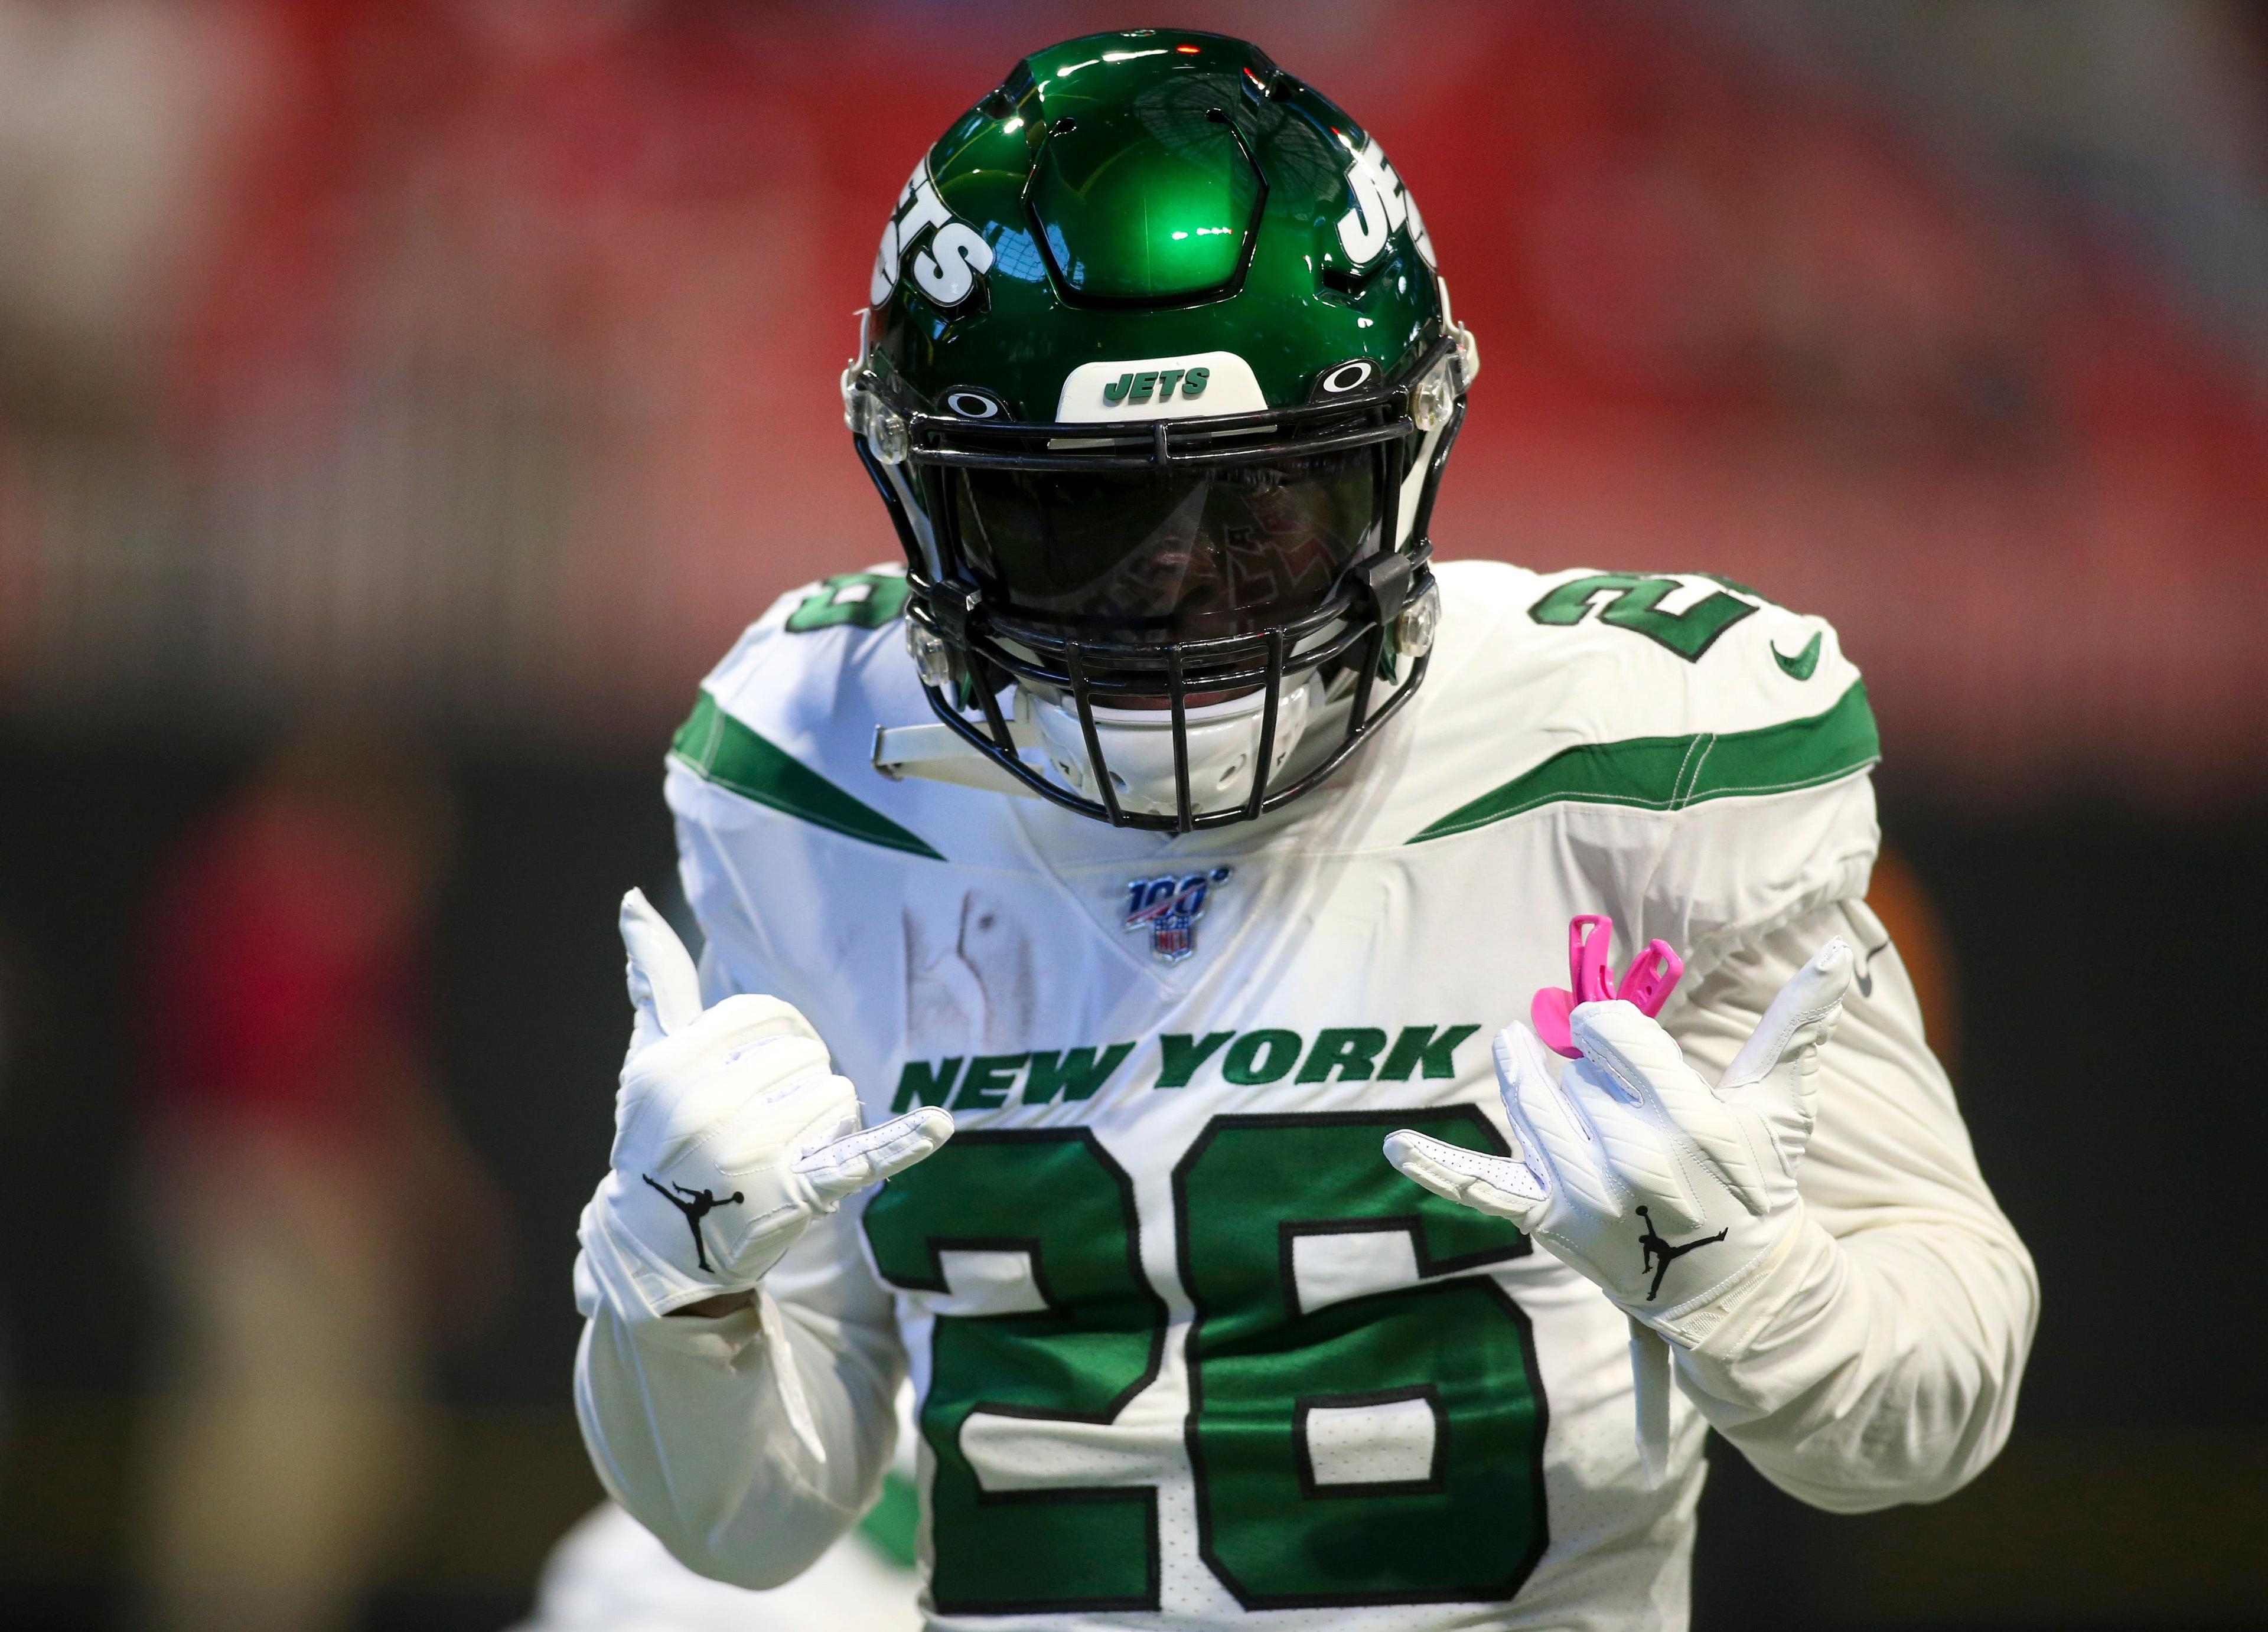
(1157, 384)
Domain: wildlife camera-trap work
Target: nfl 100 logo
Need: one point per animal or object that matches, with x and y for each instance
(1169, 908)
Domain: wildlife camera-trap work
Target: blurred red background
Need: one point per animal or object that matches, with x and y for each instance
(461, 374)
(481, 356)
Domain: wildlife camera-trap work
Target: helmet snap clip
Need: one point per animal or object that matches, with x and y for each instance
(1420, 620)
(932, 657)
(883, 426)
(1433, 398)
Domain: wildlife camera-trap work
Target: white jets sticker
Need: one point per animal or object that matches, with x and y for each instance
(1382, 205)
(1183, 387)
(948, 268)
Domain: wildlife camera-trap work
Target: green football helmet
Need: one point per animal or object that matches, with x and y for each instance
(1157, 383)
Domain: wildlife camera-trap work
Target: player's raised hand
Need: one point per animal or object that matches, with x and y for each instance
(1632, 1170)
(731, 1133)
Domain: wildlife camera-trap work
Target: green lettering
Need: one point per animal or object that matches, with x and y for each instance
(1166, 379)
(1263, 1056)
(1419, 1050)
(1075, 1074)
(1185, 1054)
(1194, 381)
(928, 1084)
(1628, 601)
(866, 600)
(1145, 383)
(986, 1086)
(1258, 1361)
(1351, 1050)
(1080, 1360)
(1114, 392)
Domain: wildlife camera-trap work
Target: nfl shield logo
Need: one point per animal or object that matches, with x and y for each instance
(1169, 908)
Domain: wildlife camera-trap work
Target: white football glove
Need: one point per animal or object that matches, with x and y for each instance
(1672, 1195)
(730, 1132)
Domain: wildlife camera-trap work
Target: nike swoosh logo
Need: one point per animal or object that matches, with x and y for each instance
(1803, 665)
(1865, 978)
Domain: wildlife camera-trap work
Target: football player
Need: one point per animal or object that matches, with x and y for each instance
(1137, 880)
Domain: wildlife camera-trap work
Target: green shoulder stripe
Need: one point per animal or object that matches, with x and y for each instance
(1670, 773)
(723, 751)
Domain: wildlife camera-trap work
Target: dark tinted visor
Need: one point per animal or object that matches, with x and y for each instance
(1219, 550)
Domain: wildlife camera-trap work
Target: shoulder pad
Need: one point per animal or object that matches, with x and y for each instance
(787, 719)
(1649, 691)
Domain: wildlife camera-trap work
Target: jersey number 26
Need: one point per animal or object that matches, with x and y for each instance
(1434, 1384)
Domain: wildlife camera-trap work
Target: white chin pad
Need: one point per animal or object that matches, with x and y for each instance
(1137, 746)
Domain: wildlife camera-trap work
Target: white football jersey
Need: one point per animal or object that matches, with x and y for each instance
(1189, 1352)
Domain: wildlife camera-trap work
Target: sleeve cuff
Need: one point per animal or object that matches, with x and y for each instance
(1756, 1344)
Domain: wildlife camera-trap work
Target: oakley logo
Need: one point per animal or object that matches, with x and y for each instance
(1131, 387)
(970, 403)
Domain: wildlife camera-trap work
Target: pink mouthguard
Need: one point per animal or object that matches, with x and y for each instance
(1654, 974)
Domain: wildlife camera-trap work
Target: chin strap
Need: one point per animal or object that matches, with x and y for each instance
(934, 751)
(937, 753)
(1651, 1383)
(789, 1380)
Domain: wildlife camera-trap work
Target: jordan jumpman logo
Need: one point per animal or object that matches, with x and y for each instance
(695, 1205)
(1659, 1252)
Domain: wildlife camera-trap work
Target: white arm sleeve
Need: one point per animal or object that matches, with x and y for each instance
(712, 1433)
(1879, 1362)
(691, 1422)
